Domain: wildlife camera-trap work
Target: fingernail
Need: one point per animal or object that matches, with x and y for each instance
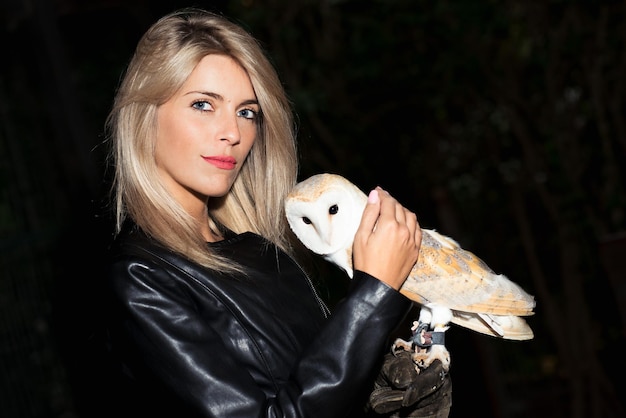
(373, 196)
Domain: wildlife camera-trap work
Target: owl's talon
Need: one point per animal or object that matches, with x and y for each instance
(401, 345)
(424, 358)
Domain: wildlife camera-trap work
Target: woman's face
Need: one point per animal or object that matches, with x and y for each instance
(205, 131)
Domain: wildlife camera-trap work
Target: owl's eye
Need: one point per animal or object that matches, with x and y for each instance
(306, 220)
(333, 209)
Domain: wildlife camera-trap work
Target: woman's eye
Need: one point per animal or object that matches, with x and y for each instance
(202, 105)
(247, 113)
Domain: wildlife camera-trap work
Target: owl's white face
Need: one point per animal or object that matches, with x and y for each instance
(324, 211)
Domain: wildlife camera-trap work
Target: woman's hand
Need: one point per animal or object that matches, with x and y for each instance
(387, 243)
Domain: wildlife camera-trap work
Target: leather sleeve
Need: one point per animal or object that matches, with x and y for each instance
(174, 352)
(343, 361)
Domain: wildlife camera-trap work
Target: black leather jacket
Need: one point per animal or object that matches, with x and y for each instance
(193, 342)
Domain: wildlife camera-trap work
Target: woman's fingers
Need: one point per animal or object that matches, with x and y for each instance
(387, 243)
(371, 212)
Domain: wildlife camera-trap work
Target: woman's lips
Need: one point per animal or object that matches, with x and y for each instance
(223, 162)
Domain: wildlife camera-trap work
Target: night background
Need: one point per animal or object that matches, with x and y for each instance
(500, 123)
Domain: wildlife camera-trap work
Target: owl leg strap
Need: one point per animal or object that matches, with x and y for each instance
(421, 338)
(425, 346)
(428, 346)
(424, 338)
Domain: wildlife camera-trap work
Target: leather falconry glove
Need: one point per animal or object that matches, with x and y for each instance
(400, 391)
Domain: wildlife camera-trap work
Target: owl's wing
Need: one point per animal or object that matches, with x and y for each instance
(450, 276)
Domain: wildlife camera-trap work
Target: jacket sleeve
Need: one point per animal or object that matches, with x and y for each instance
(185, 364)
(341, 364)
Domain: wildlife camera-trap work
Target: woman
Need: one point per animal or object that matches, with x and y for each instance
(209, 313)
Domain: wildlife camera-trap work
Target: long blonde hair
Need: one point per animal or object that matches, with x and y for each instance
(165, 56)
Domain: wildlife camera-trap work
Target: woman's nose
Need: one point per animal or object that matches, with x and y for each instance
(229, 130)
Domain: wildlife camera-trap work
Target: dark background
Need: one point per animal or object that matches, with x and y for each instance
(501, 123)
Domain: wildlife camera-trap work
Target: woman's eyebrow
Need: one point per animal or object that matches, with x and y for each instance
(218, 96)
(250, 102)
(206, 93)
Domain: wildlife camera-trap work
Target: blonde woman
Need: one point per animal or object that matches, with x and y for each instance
(209, 314)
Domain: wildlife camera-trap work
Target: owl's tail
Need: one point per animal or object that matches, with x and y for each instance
(509, 327)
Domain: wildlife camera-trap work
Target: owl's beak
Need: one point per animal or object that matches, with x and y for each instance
(342, 260)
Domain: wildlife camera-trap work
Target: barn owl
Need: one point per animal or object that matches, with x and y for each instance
(450, 284)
